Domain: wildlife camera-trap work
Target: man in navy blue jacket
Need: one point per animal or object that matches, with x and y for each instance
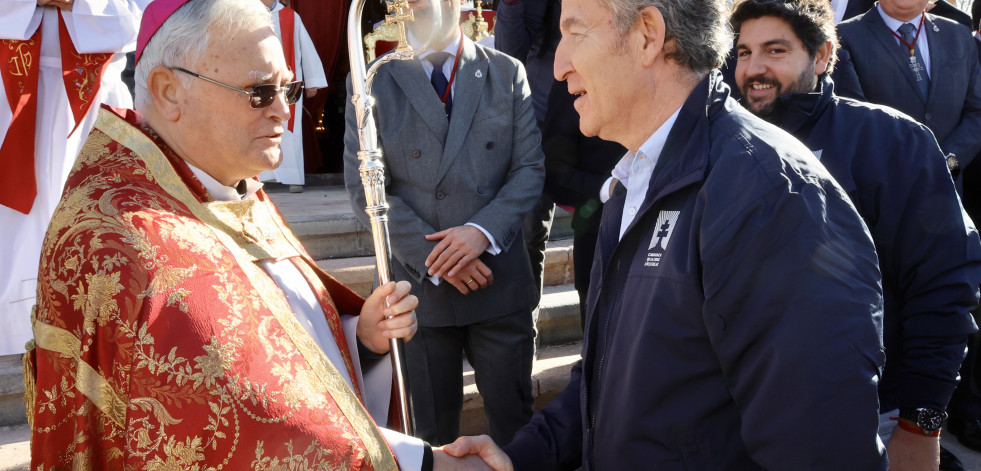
(895, 173)
(734, 311)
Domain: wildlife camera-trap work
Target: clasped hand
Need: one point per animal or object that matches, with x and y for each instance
(378, 323)
(461, 454)
(455, 258)
(63, 4)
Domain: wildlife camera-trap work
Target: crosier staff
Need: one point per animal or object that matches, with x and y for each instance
(372, 166)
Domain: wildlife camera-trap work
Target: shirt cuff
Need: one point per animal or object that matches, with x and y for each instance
(409, 451)
(604, 193)
(493, 248)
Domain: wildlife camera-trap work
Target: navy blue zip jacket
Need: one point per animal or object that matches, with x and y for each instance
(929, 251)
(737, 324)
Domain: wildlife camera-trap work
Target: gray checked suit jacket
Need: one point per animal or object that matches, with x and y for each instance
(881, 75)
(484, 166)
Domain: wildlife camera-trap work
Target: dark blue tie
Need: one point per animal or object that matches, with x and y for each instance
(437, 59)
(915, 62)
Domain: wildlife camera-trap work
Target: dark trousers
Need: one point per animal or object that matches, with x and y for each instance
(501, 352)
(535, 228)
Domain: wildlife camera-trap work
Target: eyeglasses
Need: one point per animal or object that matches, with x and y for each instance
(262, 95)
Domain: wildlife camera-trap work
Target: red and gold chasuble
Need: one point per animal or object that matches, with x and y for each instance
(20, 70)
(160, 340)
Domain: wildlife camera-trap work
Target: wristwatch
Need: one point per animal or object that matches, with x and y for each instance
(927, 419)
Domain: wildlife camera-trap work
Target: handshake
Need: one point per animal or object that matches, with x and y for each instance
(471, 453)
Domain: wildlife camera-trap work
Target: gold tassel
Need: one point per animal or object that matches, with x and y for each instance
(29, 388)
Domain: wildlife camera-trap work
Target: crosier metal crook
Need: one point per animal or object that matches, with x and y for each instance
(372, 166)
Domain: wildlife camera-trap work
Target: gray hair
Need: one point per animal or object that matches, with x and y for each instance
(184, 37)
(700, 29)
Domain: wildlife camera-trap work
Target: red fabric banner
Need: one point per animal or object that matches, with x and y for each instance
(20, 71)
(286, 28)
(82, 74)
(20, 66)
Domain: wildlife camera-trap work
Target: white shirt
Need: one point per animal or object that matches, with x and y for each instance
(450, 49)
(922, 44)
(305, 306)
(839, 7)
(635, 170)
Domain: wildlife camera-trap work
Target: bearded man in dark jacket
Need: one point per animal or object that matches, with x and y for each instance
(895, 173)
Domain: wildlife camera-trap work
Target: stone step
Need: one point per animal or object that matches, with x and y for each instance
(324, 221)
(358, 273)
(549, 376)
(558, 316)
(12, 390)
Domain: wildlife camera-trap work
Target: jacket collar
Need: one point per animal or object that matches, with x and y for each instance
(796, 112)
(685, 157)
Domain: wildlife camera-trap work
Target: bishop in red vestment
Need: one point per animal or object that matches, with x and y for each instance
(179, 322)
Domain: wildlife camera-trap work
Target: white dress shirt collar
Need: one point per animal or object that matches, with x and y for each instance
(635, 170)
(450, 48)
(221, 192)
(839, 7)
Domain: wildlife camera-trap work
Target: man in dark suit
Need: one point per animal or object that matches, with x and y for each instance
(464, 164)
(854, 8)
(920, 64)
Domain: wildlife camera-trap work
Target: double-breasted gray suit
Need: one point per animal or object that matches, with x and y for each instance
(881, 75)
(485, 166)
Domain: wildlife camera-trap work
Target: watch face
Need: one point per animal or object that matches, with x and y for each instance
(929, 419)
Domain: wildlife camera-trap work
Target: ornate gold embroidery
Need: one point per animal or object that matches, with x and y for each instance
(311, 458)
(98, 305)
(88, 381)
(242, 230)
(21, 63)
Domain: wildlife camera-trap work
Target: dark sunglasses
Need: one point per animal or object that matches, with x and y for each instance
(262, 95)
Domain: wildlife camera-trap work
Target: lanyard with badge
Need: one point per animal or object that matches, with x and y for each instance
(456, 65)
(912, 46)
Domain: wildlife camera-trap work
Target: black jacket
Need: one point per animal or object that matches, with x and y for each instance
(737, 324)
(929, 254)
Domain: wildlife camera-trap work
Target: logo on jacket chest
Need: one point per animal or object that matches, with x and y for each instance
(666, 220)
